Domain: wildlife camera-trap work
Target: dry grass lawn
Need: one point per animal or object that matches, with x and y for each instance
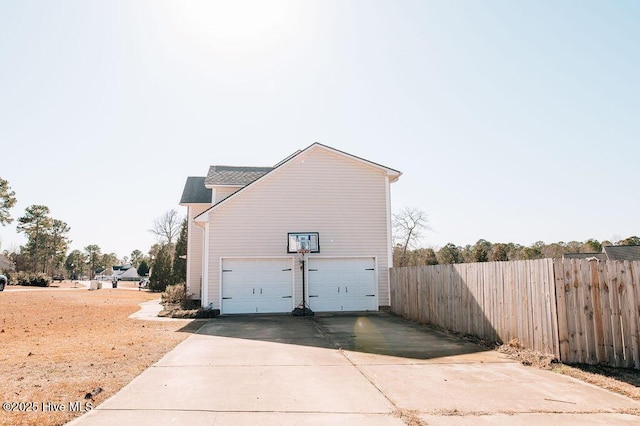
(57, 345)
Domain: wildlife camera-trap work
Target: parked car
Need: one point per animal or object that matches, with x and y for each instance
(58, 277)
(3, 282)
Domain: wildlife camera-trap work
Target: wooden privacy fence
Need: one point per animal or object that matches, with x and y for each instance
(598, 312)
(581, 311)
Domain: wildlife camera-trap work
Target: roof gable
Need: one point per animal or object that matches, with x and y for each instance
(267, 171)
(392, 173)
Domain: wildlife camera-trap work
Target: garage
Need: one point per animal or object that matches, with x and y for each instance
(342, 284)
(257, 285)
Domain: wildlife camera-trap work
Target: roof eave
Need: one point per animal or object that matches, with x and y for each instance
(201, 218)
(227, 185)
(392, 173)
(183, 204)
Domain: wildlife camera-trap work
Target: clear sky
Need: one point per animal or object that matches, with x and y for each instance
(512, 121)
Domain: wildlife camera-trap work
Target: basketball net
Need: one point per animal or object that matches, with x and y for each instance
(303, 252)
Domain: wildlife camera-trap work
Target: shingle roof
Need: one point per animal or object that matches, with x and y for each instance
(622, 252)
(232, 175)
(609, 253)
(195, 192)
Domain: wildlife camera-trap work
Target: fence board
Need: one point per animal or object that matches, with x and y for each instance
(553, 308)
(587, 313)
(607, 331)
(616, 324)
(575, 332)
(538, 288)
(600, 352)
(626, 312)
(508, 318)
(563, 333)
(634, 276)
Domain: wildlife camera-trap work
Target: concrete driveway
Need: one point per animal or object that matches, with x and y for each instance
(370, 369)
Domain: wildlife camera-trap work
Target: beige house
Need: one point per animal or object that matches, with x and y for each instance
(246, 225)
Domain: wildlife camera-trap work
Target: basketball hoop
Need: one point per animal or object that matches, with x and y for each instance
(303, 252)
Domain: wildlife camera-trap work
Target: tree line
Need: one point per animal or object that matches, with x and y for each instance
(410, 223)
(46, 250)
(485, 251)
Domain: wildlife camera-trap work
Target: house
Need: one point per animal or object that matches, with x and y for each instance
(599, 256)
(609, 253)
(125, 273)
(247, 224)
(622, 252)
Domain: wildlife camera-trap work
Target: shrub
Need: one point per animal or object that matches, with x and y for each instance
(32, 279)
(21, 278)
(178, 305)
(175, 294)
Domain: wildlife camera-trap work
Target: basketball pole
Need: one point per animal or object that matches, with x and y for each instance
(303, 309)
(304, 295)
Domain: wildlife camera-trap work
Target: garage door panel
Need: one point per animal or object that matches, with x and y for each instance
(346, 284)
(256, 286)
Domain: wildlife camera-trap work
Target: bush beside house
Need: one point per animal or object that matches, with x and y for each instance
(177, 304)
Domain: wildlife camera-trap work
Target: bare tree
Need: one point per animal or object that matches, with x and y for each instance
(167, 227)
(408, 225)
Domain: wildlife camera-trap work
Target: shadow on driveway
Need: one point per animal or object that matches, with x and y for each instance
(373, 332)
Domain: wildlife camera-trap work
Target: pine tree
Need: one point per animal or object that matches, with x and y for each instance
(161, 270)
(180, 261)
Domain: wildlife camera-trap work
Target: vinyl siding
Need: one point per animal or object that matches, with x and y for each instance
(223, 192)
(318, 191)
(194, 251)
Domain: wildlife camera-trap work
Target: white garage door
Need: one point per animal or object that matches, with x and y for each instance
(256, 286)
(342, 284)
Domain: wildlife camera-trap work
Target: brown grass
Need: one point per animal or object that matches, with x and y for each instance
(624, 381)
(57, 345)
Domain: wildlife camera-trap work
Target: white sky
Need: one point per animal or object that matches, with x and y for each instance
(511, 121)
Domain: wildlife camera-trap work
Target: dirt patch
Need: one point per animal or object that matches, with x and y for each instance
(624, 381)
(409, 417)
(59, 346)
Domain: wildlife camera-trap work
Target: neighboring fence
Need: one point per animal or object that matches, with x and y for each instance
(581, 311)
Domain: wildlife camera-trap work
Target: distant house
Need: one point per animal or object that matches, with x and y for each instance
(125, 273)
(246, 225)
(599, 256)
(609, 253)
